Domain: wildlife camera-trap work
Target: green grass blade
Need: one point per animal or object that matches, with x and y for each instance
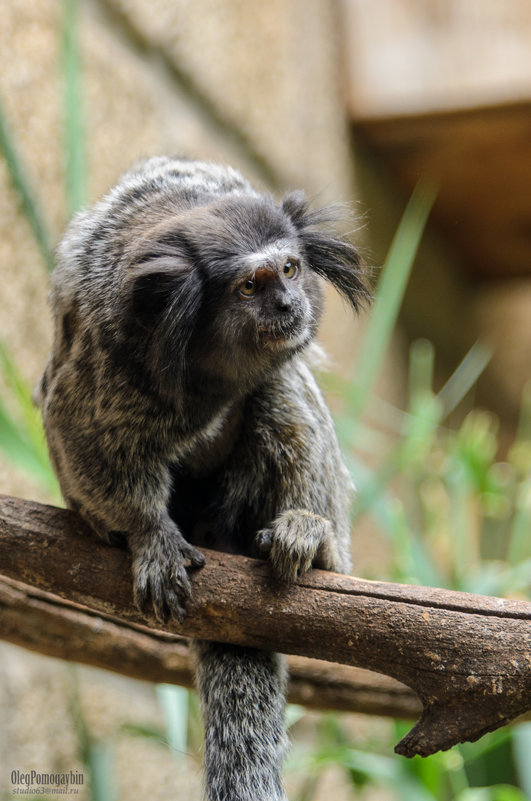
(174, 702)
(100, 763)
(522, 750)
(421, 368)
(26, 195)
(74, 132)
(23, 442)
(20, 452)
(145, 731)
(524, 423)
(96, 755)
(390, 293)
(464, 377)
(30, 416)
(520, 539)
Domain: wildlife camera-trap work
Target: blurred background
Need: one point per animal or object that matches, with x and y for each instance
(407, 110)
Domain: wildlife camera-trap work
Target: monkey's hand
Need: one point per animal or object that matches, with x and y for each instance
(297, 541)
(160, 570)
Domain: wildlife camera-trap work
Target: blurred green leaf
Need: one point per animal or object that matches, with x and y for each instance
(30, 415)
(25, 193)
(365, 767)
(390, 292)
(96, 756)
(475, 449)
(22, 441)
(522, 755)
(421, 367)
(519, 547)
(174, 703)
(499, 792)
(420, 430)
(74, 130)
(495, 578)
(100, 763)
(145, 731)
(524, 423)
(20, 451)
(464, 377)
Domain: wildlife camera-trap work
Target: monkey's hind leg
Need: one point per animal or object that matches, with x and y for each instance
(242, 693)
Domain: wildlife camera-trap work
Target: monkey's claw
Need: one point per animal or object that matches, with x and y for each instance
(297, 541)
(161, 577)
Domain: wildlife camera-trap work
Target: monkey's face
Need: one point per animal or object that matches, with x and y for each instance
(231, 289)
(263, 308)
(261, 302)
(275, 305)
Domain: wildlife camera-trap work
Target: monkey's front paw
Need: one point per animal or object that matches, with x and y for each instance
(160, 575)
(296, 541)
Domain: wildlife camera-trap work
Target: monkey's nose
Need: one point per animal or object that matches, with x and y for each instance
(266, 275)
(284, 303)
(268, 278)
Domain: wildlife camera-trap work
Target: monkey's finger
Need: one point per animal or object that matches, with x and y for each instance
(173, 603)
(146, 595)
(160, 608)
(194, 555)
(327, 557)
(141, 596)
(177, 611)
(180, 582)
(305, 562)
(284, 562)
(264, 541)
(158, 599)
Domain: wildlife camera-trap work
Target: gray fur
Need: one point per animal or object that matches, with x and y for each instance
(181, 411)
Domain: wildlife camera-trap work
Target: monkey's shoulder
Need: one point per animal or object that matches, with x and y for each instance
(289, 410)
(83, 389)
(293, 391)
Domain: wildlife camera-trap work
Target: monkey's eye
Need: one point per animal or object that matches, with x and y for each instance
(290, 269)
(248, 288)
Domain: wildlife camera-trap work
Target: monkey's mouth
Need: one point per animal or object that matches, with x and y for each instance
(283, 336)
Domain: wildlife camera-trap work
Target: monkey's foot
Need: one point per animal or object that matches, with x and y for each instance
(160, 573)
(296, 541)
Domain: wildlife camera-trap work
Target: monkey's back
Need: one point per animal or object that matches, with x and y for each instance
(83, 384)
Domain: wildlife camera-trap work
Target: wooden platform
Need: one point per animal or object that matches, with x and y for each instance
(481, 161)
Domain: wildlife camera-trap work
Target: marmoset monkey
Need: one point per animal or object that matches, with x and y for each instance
(180, 411)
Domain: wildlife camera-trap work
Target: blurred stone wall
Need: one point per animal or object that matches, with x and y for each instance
(409, 57)
(418, 55)
(251, 83)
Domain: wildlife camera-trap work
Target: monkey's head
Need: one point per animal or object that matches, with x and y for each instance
(232, 289)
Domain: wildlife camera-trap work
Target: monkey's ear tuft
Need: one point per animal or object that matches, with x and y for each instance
(338, 262)
(149, 290)
(295, 205)
(328, 254)
(163, 298)
(177, 325)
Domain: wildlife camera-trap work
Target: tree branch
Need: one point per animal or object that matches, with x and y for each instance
(41, 622)
(467, 657)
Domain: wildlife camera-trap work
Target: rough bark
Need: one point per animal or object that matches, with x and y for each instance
(467, 657)
(40, 622)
